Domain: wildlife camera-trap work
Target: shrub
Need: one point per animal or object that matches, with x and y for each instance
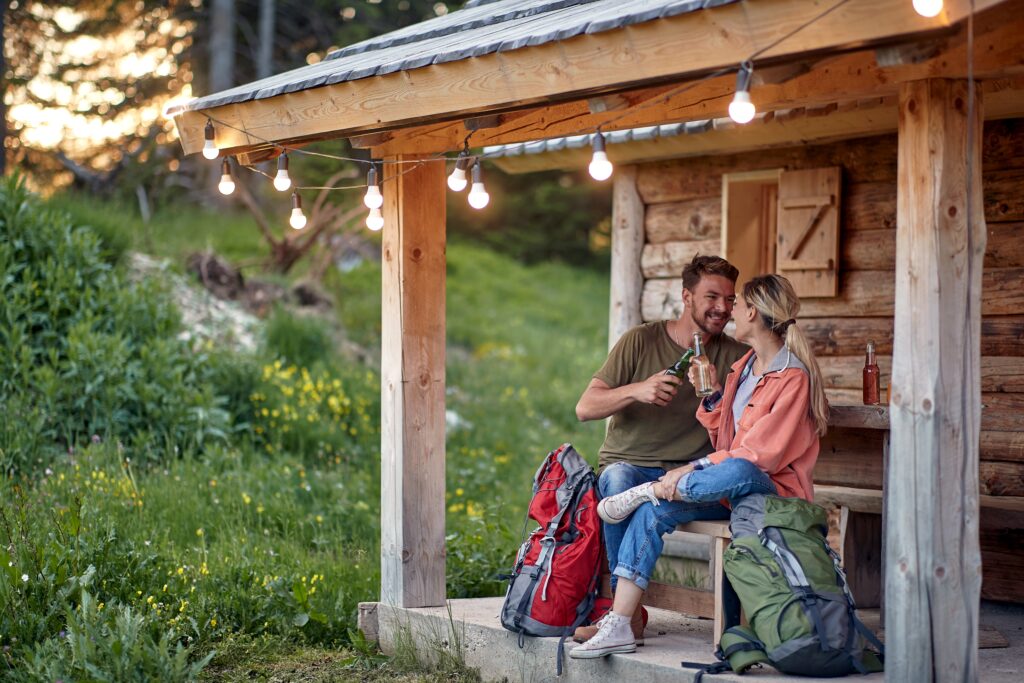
(85, 355)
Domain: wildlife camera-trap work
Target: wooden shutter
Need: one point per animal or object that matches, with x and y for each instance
(808, 230)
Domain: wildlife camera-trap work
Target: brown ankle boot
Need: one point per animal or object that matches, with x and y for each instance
(637, 623)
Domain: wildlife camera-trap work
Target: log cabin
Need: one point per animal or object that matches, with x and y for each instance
(877, 126)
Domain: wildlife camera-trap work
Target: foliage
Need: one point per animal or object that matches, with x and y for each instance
(538, 217)
(85, 354)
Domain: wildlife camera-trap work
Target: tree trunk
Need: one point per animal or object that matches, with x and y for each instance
(222, 45)
(3, 94)
(265, 53)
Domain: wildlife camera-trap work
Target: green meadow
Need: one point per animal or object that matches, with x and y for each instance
(176, 509)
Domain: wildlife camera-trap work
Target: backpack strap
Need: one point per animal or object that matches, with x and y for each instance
(716, 668)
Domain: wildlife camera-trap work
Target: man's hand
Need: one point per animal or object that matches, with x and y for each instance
(659, 389)
(665, 487)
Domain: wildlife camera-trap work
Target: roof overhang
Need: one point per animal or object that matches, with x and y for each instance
(543, 90)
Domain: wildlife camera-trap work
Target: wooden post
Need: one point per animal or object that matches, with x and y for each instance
(412, 385)
(933, 562)
(627, 281)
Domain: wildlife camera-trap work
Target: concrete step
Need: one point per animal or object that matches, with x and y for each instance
(473, 627)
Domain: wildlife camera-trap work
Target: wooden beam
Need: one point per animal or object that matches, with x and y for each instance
(846, 78)
(933, 557)
(413, 386)
(627, 245)
(666, 50)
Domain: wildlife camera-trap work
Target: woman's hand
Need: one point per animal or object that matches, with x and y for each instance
(694, 377)
(665, 487)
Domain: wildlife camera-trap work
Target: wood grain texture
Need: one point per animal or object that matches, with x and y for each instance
(627, 245)
(933, 557)
(688, 220)
(413, 387)
(668, 259)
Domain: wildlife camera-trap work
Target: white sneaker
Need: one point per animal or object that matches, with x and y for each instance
(614, 635)
(617, 508)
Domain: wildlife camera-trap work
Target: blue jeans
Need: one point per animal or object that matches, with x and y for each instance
(634, 545)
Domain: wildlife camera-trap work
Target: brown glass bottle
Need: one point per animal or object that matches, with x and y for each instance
(871, 377)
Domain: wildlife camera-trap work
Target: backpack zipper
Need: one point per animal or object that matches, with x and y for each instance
(753, 556)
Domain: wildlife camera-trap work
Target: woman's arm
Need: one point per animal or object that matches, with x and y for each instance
(780, 435)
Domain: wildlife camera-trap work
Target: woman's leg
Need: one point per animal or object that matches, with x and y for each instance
(731, 479)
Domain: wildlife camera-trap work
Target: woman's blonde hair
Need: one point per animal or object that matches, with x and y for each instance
(776, 302)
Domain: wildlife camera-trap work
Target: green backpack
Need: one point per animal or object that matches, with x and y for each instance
(794, 593)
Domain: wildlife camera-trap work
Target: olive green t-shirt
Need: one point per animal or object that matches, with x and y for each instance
(658, 436)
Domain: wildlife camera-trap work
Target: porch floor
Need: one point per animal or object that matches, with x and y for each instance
(473, 626)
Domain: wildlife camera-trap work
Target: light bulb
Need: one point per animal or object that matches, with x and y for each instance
(375, 221)
(209, 147)
(741, 109)
(227, 183)
(928, 8)
(297, 219)
(282, 181)
(373, 198)
(478, 197)
(600, 168)
(457, 179)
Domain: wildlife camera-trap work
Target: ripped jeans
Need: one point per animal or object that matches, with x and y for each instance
(634, 545)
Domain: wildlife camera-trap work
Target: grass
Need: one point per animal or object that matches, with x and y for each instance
(256, 552)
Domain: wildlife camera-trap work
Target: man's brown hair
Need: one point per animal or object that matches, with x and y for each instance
(707, 265)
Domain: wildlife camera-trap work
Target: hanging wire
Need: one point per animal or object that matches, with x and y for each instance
(443, 156)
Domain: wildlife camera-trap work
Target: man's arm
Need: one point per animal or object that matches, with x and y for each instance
(600, 400)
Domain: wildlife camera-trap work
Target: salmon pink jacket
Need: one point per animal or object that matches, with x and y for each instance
(776, 430)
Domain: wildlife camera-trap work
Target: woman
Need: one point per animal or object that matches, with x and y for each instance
(765, 426)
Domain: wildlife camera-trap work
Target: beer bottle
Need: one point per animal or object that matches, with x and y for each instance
(871, 376)
(703, 365)
(681, 366)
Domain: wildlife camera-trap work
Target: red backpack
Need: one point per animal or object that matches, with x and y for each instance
(554, 582)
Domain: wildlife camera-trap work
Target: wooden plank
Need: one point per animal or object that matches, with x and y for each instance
(641, 54)
(1004, 202)
(1007, 446)
(834, 86)
(413, 386)
(808, 230)
(627, 245)
(1002, 558)
(932, 583)
(870, 205)
(870, 500)
(998, 373)
(988, 636)
(696, 219)
(862, 556)
(1002, 335)
(1000, 412)
(667, 259)
(858, 416)
(718, 548)
(839, 336)
(876, 249)
(691, 601)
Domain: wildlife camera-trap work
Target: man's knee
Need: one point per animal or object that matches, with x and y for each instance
(616, 478)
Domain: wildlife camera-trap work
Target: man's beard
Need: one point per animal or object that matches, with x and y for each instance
(703, 325)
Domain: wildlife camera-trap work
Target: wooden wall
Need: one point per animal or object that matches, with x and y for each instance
(683, 216)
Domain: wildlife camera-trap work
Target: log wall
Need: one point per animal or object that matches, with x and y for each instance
(683, 216)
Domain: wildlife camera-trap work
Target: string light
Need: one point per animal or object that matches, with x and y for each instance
(600, 168)
(210, 150)
(928, 8)
(297, 219)
(227, 183)
(741, 109)
(478, 197)
(282, 181)
(457, 179)
(373, 198)
(375, 221)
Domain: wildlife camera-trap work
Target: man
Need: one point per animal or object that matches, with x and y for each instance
(653, 426)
